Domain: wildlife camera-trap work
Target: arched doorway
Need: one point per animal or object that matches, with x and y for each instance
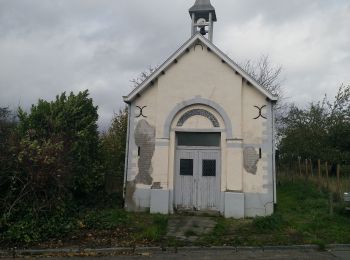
(199, 134)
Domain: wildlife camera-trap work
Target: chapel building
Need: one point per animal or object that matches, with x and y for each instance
(201, 133)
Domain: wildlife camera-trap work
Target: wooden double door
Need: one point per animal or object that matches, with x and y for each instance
(197, 180)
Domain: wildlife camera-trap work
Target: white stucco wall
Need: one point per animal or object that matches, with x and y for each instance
(199, 73)
(254, 134)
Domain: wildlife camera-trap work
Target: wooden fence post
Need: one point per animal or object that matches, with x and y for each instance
(311, 168)
(331, 203)
(327, 177)
(338, 181)
(306, 170)
(289, 171)
(319, 174)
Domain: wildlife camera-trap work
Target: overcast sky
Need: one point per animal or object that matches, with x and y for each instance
(47, 47)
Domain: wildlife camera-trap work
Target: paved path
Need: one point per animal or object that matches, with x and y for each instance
(189, 227)
(228, 254)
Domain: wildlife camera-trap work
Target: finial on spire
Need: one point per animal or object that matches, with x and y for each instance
(203, 16)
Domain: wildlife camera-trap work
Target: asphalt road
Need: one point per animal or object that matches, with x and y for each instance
(227, 254)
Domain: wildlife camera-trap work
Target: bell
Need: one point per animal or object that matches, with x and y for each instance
(203, 31)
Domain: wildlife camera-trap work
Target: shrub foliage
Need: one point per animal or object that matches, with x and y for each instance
(318, 131)
(113, 143)
(50, 163)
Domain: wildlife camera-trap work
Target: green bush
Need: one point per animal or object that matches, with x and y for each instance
(31, 229)
(53, 164)
(320, 130)
(51, 161)
(69, 122)
(113, 144)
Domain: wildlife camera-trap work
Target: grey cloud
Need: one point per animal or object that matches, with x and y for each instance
(47, 47)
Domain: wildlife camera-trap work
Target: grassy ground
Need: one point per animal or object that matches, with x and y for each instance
(330, 183)
(302, 217)
(101, 228)
(114, 228)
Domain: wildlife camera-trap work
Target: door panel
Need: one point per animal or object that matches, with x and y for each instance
(197, 181)
(185, 188)
(209, 173)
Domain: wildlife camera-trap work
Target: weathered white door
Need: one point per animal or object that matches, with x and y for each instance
(208, 180)
(185, 186)
(197, 180)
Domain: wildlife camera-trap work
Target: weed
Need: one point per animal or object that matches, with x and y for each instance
(156, 230)
(273, 222)
(221, 227)
(321, 244)
(161, 221)
(173, 242)
(190, 233)
(195, 225)
(151, 234)
(106, 219)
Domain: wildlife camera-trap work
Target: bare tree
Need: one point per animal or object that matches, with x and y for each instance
(266, 74)
(269, 76)
(143, 76)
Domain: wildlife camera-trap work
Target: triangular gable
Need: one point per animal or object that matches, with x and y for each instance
(173, 58)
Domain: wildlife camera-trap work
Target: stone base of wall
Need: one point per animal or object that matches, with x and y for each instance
(234, 205)
(137, 199)
(160, 200)
(258, 204)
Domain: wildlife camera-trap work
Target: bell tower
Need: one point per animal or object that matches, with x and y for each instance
(203, 16)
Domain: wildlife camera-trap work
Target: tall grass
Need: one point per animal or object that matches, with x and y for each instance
(329, 183)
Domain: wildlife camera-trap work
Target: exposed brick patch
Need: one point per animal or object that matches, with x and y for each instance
(198, 112)
(251, 158)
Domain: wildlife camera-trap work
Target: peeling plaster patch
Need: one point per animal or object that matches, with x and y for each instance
(145, 139)
(129, 195)
(251, 158)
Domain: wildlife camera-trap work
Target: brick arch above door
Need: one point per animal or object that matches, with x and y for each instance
(198, 112)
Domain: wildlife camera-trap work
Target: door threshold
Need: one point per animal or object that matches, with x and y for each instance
(210, 213)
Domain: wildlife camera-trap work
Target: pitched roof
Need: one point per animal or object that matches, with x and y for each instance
(173, 58)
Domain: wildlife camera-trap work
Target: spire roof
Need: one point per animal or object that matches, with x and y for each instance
(202, 8)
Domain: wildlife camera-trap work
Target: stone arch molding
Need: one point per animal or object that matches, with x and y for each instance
(197, 101)
(198, 112)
